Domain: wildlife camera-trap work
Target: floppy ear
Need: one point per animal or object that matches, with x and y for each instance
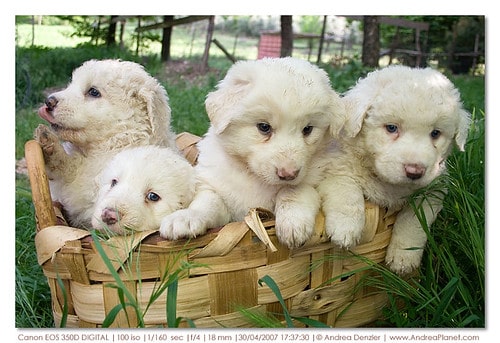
(356, 109)
(159, 112)
(337, 112)
(464, 121)
(220, 104)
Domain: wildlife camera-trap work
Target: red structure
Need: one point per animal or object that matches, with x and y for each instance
(269, 45)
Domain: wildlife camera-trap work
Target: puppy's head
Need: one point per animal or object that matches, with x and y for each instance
(273, 115)
(406, 121)
(140, 186)
(109, 102)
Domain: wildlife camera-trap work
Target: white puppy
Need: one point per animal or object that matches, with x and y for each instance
(140, 186)
(108, 106)
(401, 126)
(266, 147)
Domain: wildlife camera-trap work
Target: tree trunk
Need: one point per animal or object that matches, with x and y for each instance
(208, 42)
(321, 40)
(110, 38)
(286, 35)
(371, 41)
(166, 38)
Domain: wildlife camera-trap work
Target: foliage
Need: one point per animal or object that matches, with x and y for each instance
(345, 76)
(311, 24)
(32, 303)
(446, 34)
(242, 25)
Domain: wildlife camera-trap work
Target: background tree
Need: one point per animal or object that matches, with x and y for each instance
(166, 38)
(371, 42)
(286, 35)
(110, 37)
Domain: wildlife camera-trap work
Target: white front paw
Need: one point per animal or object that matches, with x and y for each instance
(294, 229)
(182, 224)
(345, 231)
(403, 261)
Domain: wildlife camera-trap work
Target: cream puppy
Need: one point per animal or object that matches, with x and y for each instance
(109, 105)
(402, 124)
(271, 126)
(140, 186)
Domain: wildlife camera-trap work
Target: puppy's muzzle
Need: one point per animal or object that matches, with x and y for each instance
(51, 103)
(287, 174)
(110, 216)
(414, 171)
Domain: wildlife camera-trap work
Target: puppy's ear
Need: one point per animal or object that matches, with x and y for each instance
(338, 115)
(356, 110)
(158, 109)
(221, 103)
(464, 121)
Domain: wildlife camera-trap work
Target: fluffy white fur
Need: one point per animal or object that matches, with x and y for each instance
(271, 125)
(108, 105)
(402, 123)
(140, 186)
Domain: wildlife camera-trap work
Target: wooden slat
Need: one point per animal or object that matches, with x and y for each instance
(232, 289)
(126, 318)
(39, 182)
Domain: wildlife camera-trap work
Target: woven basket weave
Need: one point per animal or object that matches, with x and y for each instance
(228, 263)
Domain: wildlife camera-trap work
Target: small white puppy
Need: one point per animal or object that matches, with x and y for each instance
(109, 105)
(402, 123)
(140, 186)
(271, 127)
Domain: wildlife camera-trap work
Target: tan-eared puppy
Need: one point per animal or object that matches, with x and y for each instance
(271, 127)
(109, 105)
(402, 124)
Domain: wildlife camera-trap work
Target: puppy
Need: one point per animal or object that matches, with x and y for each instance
(271, 126)
(140, 186)
(401, 126)
(109, 105)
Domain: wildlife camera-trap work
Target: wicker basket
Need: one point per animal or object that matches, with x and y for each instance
(228, 263)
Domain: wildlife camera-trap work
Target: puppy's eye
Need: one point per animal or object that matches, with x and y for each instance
(152, 196)
(114, 182)
(391, 128)
(435, 134)
(264, 128)
(94, 92)
(307, 130)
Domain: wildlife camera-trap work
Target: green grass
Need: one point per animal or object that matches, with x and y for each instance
(451, 283)
(33, 305)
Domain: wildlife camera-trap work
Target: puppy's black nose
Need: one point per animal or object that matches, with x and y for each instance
(51, 102)
(414, 171)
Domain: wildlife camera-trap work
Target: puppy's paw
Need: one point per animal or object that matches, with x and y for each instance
(345, 231)
(46, 138)
(294, 229)
(182, 224)
(403, 261)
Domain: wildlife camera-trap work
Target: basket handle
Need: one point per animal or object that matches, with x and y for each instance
(44, 211)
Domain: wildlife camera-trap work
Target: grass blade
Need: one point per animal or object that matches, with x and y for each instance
(172, 321)
(274, 287)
